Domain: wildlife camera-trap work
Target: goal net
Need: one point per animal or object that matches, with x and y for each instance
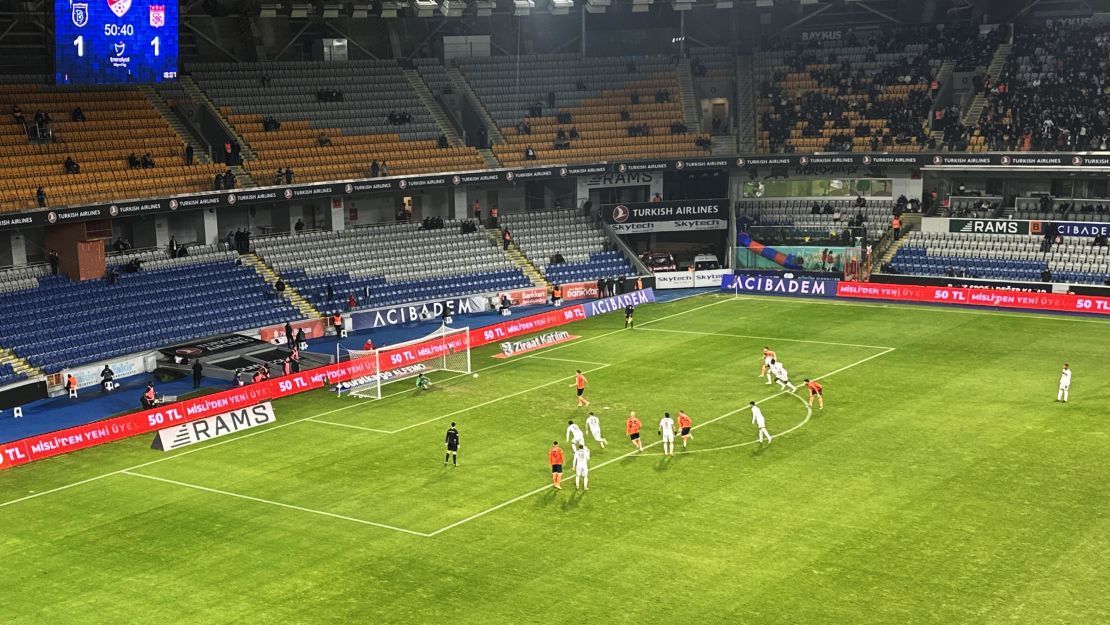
(446, 349)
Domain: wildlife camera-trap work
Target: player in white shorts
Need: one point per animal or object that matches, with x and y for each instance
(582, 467)
(666, 430)
(1065, 383)
(594, 425)
(757, 419)
(575, 435)
(781, 376)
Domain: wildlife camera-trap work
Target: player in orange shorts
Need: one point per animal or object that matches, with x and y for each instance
(684, 426)
(555, 459)
(815, 390)
(632, 428)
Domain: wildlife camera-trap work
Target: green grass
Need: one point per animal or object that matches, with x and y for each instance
(942, 484)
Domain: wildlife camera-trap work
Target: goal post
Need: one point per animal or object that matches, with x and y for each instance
(446, 349)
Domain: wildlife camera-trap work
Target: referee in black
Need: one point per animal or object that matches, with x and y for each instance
(628, 310)
(452, 442)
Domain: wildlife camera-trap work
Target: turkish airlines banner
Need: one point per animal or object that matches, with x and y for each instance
(672, 216)
(1055, 302)
(145, 421)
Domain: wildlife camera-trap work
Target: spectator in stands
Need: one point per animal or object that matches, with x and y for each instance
(506, 238)
(17, 114)
(352, 301)
(54, 260)
(442, 142)
(173, 247)
(230, 180)
(625, 115)
(77, 115)
(563, 117)
(1046, 275)
(279, 176)
(299, 339)
(600, 288)
(288, 333)
(896, 226)
(299, 226)
(384, 169)
(40, 196)
(189, 154)
(494, 221)
(662, 95)
(133, 161)
(861, 202)
(658, 197)
(703, 143)
(860, 218)
(71, 166)
(573, 133)
(269, 124)
(337, 323)
(697, 67)
(218, 183)
(198, 373)
(506, 305)
(529, 154)
(147, 161)
(330, 292)
(678, 128)
(827, 209)
(1100, 240)
(557, 259)
(279, 288)
(288, 175)
(323, 140)
(374, 169)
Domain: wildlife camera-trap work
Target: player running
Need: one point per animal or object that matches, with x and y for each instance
(768, 356)
(452, 445)
(632, 428)
(781, 376)
(574, 435)
(1065, 384)
(580, 384)
(684, 425)
(815, 390)
(594, 425)
(666, 430)
(628, 310)
(757, 420)
(555, 459)
(582, 467)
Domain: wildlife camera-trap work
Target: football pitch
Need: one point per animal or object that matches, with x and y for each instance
(941, 484)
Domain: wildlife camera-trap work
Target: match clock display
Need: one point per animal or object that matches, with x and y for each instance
(115, 41)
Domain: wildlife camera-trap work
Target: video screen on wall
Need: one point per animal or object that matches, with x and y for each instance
(103, 42)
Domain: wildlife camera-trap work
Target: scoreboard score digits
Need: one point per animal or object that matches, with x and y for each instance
(115, 41)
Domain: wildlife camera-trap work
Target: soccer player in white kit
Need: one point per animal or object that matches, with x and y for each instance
(582, 467)
(575, 435)
(594, 425)
(782, 377)
(757, 419)
(1065, 383)
(666, 430)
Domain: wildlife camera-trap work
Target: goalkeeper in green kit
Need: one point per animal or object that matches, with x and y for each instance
(422, 382)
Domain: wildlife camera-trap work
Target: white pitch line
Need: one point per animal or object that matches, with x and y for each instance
(492, 401)
(277, 503)
(347, 425)
(322, 414)
(194, 450)
(686, 452)
(767, 338)
(649, 445)
(572, 360)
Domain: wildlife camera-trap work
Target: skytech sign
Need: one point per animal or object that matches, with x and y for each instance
(673, 216)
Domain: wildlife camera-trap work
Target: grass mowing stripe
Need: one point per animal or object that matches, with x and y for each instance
(275, 503)
(768, 338)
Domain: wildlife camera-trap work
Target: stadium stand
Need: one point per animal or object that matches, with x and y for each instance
(350, 103)
(590, 94)
(399, 263)
(1049, 96)
(583, 245)
(1066, 209)
(117, 122)
(167, 301)
(1002, 256)
(799, 215)
(8, 375)
(855, 94)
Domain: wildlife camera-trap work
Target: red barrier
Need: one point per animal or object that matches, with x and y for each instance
(313, 329)
(100, 432)
(969, 296)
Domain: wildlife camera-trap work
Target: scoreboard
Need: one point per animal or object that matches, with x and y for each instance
(115, 41)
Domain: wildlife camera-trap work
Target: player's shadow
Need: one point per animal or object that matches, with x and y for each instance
(663, 464)
(758, 449)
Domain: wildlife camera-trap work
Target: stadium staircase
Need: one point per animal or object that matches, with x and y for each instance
(690, 112)
(200, 96)
(910, 222)
(159, 103)
(994, 71)
(20, 366)
(420, 88)
(243, 177)
(518, 259)
(723, 145)
(462, 86)
(490, 158)
(745, 90)
(944, 73)
(269, 275)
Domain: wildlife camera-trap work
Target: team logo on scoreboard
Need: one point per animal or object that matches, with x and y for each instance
(119, 7)
(80, 14)
(120, 48)
(157, 15)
